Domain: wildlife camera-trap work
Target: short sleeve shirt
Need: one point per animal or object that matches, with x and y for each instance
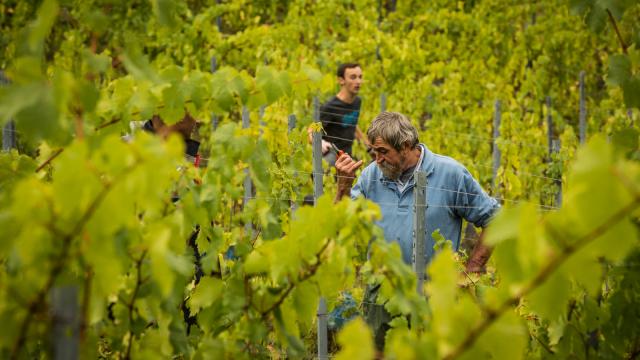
(452, 195)
(339, 120)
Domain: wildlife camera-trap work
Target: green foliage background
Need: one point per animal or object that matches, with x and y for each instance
(80, 207)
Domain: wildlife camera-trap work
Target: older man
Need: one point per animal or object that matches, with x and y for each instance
(452, 193)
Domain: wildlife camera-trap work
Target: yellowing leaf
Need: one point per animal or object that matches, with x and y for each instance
(206, 293)
(356, 340)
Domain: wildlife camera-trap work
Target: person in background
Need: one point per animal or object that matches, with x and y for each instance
(339, 115)
(184, 128)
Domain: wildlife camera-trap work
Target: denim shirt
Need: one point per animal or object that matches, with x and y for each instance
(452, 195)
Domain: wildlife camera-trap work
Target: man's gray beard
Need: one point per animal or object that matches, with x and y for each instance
(389, 171)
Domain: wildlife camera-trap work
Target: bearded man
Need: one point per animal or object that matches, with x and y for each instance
(452, 195)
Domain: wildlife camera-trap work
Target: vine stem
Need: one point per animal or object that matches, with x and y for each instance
(292, 285)
(38, 301)
(615, 27)
(130, 304)
(58, 266)
(540, 278)
(544, 346)
(53, 156)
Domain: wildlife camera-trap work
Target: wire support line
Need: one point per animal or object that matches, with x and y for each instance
(327, 106)
(500, 139)
(371, 181)
(395, 204)
(338, 138)
(517, 172)
(469, 135)
(335, 114)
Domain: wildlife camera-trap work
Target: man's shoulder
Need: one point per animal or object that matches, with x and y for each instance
(448, 165)
(334, 100)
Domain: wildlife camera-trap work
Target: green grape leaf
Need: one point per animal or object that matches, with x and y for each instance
(619, 70)
(556, 330)
(98, 21)
(504, 226)
(96, 63)
(596, 16)
(47, 14)
(88, 95)
(631, 90)
(173, 100)
(165, 11)
(305, 297)
(14, 98)
(208, 290)
(492, 341)
(138, 65)
(313, 74)
(272, 83)
(626, 140)
(549, 300)
(256, 263)
(356, 341)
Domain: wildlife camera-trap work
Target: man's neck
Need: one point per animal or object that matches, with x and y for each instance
(346, 96)
(413, 157)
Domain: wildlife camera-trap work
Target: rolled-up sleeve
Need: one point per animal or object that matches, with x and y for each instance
(472, 203)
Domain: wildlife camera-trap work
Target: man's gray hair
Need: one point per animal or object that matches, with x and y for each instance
(395, 129)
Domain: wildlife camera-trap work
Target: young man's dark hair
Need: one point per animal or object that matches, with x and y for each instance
(345, 66)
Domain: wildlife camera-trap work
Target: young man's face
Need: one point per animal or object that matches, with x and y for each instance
(352, 80)
(390, 161)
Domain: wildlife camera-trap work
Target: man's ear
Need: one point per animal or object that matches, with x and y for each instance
(406, 147)
(341, 81)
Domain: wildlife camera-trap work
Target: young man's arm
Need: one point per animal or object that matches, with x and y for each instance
(346, 171)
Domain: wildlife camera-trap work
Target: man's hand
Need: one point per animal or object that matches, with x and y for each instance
(346, 170)
(326, 146)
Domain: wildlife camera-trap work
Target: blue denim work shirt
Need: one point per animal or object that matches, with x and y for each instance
(452, 195)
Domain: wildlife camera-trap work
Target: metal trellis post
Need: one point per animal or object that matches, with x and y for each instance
(261, 119)
(549, 127)
(583, 111)
(291, 124)
(554, 148)
(497, 116)
(219, 19)
(9, 129)
(318, 191)
(214, 117)
(248, 186)
(419, 227)
(558, 181)
(66, 325)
